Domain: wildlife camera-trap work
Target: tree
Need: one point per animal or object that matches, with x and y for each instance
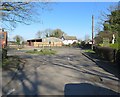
(52, 33)
(113, 22)
(18, 39)
(48, 32)
(21, 12)
(39, 34)
(58, 33)
(111, 25)
(104, 34)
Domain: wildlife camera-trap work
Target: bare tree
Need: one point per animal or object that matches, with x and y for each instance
(18, 39)
(13, 13)
(104, 17)
(39, 34)
(48, 32)
(87, 38)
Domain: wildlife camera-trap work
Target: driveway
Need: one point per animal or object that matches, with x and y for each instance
(66, 73)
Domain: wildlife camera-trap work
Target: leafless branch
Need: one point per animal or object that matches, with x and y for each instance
(22, 12)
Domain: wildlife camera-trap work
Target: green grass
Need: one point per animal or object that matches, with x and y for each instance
(42, 52)
(5, 62)
(115, 46)
(10, 63)
(100, 45)
(89, 51)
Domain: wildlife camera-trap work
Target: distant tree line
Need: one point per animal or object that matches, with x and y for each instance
(58, 33)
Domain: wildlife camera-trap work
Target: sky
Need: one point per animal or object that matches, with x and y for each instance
(74, 18)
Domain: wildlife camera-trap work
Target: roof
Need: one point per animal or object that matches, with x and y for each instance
(52, 39)
(34, 39)
(69, 37)
(46, 39)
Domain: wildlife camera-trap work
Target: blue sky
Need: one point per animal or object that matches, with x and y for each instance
(74, 18)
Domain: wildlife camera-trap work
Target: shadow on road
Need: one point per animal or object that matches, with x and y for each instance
(107, 66)
(72, 89)
(29, 87)
(64, 62)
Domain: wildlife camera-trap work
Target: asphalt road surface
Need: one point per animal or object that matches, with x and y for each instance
(66, 73)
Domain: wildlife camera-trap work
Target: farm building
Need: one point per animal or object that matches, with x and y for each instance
(49, 41)
(69, 40)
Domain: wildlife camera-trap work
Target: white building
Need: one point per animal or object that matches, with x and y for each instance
(69, 40)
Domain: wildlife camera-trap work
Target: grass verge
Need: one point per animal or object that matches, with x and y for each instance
(10, 63)
(89, 51)
(42, 52)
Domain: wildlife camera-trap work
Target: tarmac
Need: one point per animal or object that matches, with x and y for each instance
(8, 76)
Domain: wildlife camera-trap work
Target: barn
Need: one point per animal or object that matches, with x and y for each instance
(48, 41)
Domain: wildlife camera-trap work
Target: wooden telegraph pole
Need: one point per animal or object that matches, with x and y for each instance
(92, 30)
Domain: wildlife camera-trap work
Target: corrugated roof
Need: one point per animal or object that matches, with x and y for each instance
(70, 37)
(52, 39)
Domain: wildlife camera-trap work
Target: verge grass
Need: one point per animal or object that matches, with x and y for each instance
(10, 63)
(42, 52)
(89, 51)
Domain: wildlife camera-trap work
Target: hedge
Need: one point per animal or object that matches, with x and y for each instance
(85, 46)
(4, 53)
(105, 53)
(118, 57)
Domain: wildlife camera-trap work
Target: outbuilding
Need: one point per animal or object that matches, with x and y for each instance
(48, 41)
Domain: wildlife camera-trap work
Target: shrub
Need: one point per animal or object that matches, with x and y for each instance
(118, 57)
(119, 42)
(88, 46)
(85, 46)
(82, 43)
(114, 46)
(4, 53)
(105, 53)
(75, 44)
(94, 48)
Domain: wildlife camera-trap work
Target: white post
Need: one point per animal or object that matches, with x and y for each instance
(113, 39)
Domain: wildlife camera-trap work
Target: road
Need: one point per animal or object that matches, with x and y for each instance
(66, 73)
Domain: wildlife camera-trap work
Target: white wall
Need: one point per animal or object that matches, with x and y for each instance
(67, 42)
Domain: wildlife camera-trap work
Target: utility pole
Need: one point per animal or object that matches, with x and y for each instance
(92, 30)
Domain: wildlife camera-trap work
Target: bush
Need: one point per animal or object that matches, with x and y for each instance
(82, 43)
(85, 46)
(105, 53)
(94, 48)
(4, 53)
(119, 42)
(75, 44)
(88, 46)
(118, 57)
(114, 46)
